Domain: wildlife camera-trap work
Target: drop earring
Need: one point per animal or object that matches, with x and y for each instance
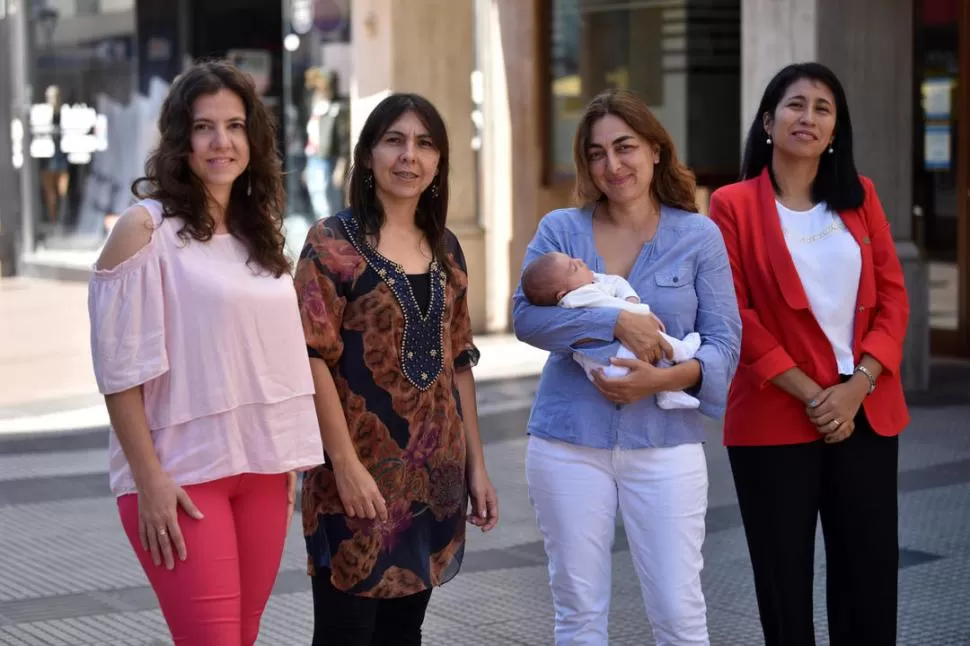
(831, 149)
(434, 190)
(369, 181)
(249, 182)
(768, 141)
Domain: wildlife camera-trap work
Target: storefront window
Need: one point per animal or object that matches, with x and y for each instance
(317, 70)
(84, 74)
(683, 58)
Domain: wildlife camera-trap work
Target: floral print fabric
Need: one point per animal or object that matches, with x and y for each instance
(410, 439)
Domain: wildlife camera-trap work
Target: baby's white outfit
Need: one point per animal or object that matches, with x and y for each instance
(612, 291)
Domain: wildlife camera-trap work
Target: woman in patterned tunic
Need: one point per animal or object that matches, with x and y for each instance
(382, 290)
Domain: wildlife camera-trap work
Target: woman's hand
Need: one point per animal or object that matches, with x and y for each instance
(158, 526)
(484, 500)
(641, 333)
(359, 493)
(643, 380)
(290, 496)
(833, 411)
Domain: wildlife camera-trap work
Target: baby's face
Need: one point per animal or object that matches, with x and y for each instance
(573, 272)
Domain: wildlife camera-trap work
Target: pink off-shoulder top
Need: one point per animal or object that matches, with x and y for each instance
(219, 350)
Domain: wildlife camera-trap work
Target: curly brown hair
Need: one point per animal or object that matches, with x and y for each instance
(673, 184)
(255, 219)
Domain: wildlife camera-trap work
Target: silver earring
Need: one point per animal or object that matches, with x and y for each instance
(369, 181)
(769, 141)
(831, 149)
(434, 190)
(249, 183)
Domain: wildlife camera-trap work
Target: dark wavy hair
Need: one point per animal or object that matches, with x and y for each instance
(432, 212)
(673, 184)
(255, 219)
(837, 180)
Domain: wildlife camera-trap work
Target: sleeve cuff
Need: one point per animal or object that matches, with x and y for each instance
(885, 349)
(772, 364)
(467, 359)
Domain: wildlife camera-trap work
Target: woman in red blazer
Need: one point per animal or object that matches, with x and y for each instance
(816, 406)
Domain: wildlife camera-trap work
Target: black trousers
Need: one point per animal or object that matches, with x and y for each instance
(341, 619)
(782, 490)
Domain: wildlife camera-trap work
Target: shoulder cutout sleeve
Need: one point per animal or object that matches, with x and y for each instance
(126, 307)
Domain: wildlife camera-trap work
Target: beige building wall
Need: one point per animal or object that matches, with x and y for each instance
(514, 193)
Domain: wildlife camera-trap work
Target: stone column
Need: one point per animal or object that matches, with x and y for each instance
(427, 47)
(9, 190)
(869, 44)
(512, 157)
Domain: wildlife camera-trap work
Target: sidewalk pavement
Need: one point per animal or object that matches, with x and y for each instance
(68, 576)
(55, 507)
(47, 383)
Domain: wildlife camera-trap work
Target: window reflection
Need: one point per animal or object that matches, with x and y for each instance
(683, 57)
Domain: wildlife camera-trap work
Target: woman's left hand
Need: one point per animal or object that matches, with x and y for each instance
(290, 496)
(643, 380)
(836, 407)
(484, 500)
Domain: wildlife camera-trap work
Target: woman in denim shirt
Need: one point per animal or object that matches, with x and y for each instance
(598, 447)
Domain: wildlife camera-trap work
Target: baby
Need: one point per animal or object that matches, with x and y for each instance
(556, 279)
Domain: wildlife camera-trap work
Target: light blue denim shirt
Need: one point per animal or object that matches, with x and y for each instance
(684, 276)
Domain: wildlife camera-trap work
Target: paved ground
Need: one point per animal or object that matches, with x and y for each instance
(68, 577)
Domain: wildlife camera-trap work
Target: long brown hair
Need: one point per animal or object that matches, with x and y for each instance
(256, 219)
(673, 184)
(432, 213)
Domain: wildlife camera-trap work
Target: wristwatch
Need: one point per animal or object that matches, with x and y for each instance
(868, 375)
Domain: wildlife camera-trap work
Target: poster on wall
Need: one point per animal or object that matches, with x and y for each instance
(331, 18)
(936, 98)
(936, 148)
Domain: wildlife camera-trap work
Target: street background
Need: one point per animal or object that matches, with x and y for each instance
(68, 576)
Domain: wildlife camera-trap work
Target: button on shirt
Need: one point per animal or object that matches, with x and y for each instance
(684, 274)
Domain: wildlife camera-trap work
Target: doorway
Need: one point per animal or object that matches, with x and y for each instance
(941, 164)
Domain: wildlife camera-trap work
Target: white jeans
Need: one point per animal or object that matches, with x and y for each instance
(662, 495)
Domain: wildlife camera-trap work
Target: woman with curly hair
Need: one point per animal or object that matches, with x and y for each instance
(603, 448)
(198, 349)
(383, 293)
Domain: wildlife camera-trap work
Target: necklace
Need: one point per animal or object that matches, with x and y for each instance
(836, 226)
(422, 340)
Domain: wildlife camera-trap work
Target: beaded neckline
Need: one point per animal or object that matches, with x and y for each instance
(422, 342)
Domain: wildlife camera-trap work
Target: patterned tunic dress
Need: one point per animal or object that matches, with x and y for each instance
(393, 343)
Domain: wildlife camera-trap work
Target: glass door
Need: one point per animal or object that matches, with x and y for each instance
(940, 169)
(317, 70)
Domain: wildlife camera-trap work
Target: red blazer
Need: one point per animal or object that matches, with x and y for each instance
(779, 331)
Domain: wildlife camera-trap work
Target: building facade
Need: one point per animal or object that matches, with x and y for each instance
(86, 81)
(511, 78)
(702, 66)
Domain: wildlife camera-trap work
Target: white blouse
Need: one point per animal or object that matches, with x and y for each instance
(829, 263)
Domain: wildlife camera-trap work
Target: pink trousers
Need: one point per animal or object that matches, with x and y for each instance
(217, 595)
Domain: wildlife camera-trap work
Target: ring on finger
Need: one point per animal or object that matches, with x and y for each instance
(837, 422)
(162, 532)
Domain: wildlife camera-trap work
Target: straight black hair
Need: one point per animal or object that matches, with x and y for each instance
(837, 181)
(432, 212)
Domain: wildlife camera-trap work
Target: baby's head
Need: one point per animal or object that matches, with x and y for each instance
(553, 275)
